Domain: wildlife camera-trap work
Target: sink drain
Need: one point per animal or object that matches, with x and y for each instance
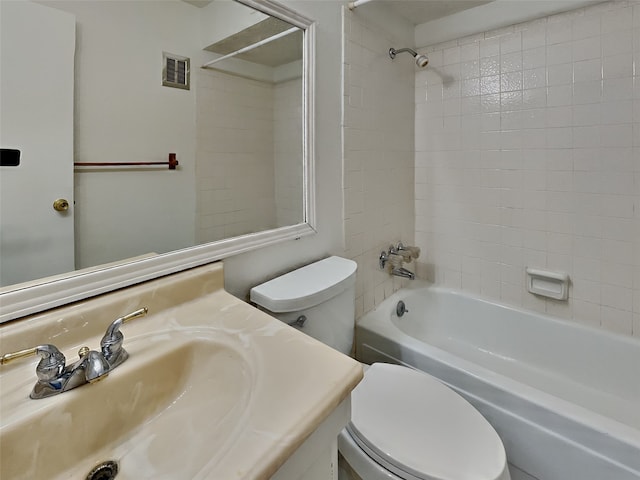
(103, 471)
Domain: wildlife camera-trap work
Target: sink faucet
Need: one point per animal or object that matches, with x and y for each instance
(111, 343)
(55, 377)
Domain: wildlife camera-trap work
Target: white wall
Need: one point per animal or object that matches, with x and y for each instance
(221, 19)
(528, 154)
(378, 148)
(123, 113)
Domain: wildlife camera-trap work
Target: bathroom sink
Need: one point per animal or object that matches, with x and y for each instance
(179, 391)
(213, 389)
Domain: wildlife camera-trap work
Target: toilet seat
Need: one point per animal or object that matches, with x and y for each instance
(418, 428)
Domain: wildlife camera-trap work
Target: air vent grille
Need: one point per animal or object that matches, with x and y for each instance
(176, 71)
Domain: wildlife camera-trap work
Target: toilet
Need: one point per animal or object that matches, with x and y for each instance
(405, 424)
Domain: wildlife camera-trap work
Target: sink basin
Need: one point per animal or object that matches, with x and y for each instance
(177, 392)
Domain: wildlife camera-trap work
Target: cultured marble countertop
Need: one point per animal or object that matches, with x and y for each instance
(294, 382)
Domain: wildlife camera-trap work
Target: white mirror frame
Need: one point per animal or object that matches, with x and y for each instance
(21, 300)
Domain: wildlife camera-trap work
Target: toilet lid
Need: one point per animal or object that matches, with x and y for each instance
(412, 424)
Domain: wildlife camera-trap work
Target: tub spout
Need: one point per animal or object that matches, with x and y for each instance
(403, 272)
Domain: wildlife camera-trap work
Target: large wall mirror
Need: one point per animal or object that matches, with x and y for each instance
(140, 138)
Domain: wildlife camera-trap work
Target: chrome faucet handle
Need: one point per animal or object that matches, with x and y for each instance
(111, 343)
(49, 368)
(408, 252)
(382, 259)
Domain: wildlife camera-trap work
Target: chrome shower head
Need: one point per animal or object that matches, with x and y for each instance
(421, 60)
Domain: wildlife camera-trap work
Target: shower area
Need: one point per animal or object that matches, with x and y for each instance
(514, 147)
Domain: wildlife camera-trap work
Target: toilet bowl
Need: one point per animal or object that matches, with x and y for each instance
(404, 424)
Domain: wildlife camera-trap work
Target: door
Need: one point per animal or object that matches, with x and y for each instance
(36, 117)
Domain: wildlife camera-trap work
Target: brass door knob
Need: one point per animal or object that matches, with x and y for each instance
(61, 205)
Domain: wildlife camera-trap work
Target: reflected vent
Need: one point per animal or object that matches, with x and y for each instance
(176, 71)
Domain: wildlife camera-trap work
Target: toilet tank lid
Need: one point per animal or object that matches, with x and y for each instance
(307, 286)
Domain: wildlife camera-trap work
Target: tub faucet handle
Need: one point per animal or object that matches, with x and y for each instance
(407, 251)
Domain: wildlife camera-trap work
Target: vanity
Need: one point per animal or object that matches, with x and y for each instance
(212, 388)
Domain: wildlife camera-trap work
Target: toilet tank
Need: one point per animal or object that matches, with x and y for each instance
(323, 292)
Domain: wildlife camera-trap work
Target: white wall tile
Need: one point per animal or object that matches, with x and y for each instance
(616, 20)
(587, 114)
(534, 36)
(585, 49)
(587, 70)
(616, 66)
(379, 148)
(586, 26)
(618, 42)
(561, 53)
(557, 32)
(552, 109)
(469, 51)
(560, 74)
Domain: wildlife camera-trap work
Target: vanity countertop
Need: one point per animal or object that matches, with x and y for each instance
(287, 383)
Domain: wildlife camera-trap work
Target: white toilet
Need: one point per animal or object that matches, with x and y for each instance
(404, 424)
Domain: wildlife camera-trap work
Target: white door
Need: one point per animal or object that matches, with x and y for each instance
(36, 117)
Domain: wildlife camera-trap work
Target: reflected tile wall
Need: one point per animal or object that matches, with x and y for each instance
(528, 154)
(287, 152)
(234, 157)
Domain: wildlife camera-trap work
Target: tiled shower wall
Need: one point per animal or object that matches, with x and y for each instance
(528, 154)
(378, 154)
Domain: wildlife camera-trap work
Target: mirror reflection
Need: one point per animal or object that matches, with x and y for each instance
(216, 83)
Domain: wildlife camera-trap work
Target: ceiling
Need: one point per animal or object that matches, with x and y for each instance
(289, 49)
(422, 11)
(414, 11)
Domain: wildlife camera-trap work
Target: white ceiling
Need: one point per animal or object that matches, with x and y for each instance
(415, 11)
(442, 20)
(422, 11)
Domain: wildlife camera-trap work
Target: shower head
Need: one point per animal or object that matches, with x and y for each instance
(421, 60)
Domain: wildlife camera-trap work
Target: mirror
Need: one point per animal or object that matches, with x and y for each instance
(222, 87)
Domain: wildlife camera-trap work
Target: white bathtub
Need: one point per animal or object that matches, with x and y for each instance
(564, 398)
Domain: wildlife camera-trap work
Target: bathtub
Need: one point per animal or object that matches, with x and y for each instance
(564, 398)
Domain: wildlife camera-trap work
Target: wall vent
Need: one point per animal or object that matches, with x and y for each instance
(175, 71)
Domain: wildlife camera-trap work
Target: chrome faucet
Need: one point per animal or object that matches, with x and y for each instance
(407, 253)
(111, 343)
(396, 256)
(55, 377)
(403, 272)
